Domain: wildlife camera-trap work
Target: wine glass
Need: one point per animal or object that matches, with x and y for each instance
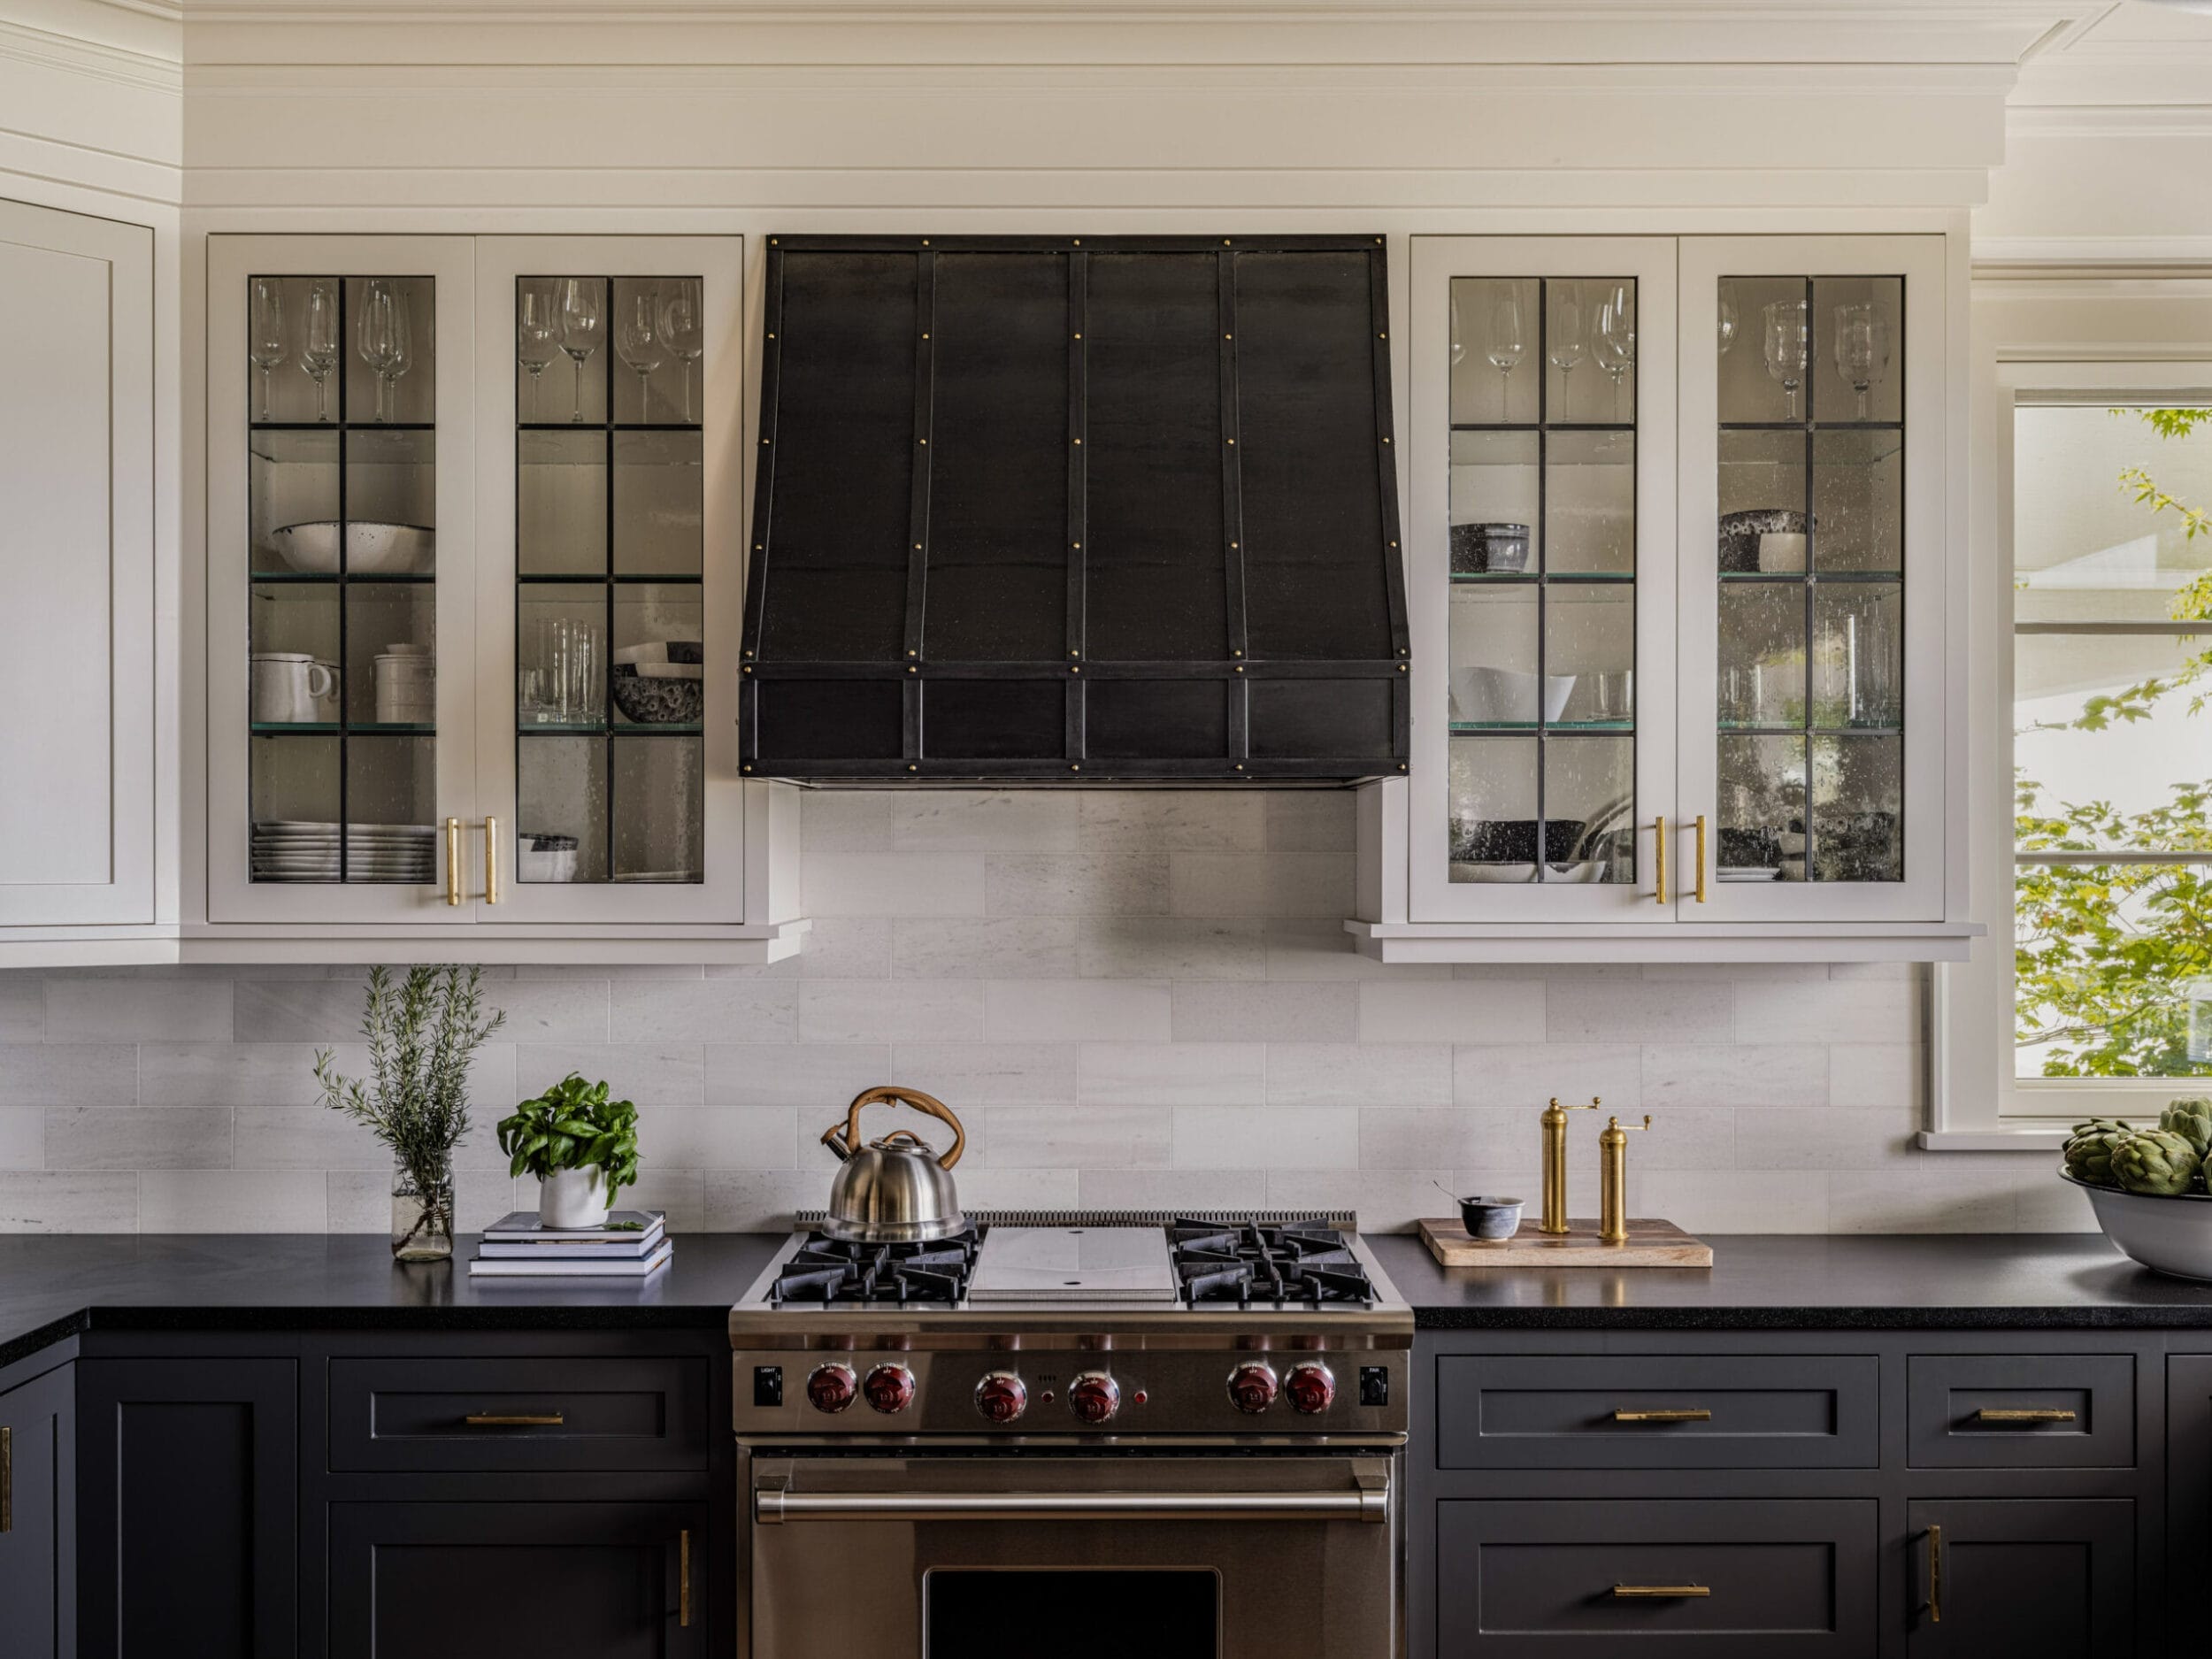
(319, 351)
(1863, 346)
(537, 334)
(264, 332)
(1727, 315)
(1569, 344)
(580, 323)
(1786, 343)
(684, 326)
(385, 337)
(1613, 345)
(1508, 345)
(638, 339)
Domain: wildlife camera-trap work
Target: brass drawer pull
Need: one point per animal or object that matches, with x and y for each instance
(491, 861)
(453, 861)
(530, 1420)
(1659, 860)
(1935, 1575)
(1664, 1414)
(1659, 1592)
(2024, 1414)
(7, 1481)
(683, 1580)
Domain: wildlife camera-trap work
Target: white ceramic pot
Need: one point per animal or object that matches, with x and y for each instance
(2169, 1235)
(574, 1198)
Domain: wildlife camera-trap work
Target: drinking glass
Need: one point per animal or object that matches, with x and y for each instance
(537, 335)
(1507, 346)
(1568, 342)
(385, 339)
(637, 338)
(580, 323)
(684, 326)
(1786, 334)
(1614, 345)
(1863, 346)
(264, 332)
(1727, 315)
(319, 351)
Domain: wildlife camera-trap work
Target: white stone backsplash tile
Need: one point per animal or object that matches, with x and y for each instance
(1450, 1010)
(138, 1009)
(1287, 1137)
(1265, 1012)
(1079, 1011)
(22, 1138)
(1171, 1074)
(1303, 1073)
(877, 1011)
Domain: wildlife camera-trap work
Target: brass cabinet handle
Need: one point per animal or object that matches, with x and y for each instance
(491, 860)
(2024, 1414)
(1664, 1414)
(1935, 1575)
(1659, 860)
(683, 1580)
(7, 1481)
(497, 1420)
(1653, 1591)
(1700, 858)
(453, 861)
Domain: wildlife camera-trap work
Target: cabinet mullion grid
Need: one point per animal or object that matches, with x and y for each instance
(918, 503)
(345, 565)
(1807, 582)
(1541, 533)
(606, 692)
(1078, 617)
(1233, 522)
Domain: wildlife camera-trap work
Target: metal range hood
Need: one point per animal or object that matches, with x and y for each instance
(1075, 510)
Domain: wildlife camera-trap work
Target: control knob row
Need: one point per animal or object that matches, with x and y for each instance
(1094, 1397)
(1253, 1387)
(889, 1388)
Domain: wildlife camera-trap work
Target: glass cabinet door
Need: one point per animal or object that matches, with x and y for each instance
(1542, 587)
(1811, 525)
(609, 601)
(339, 573)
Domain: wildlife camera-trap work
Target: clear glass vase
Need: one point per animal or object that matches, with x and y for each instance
(422, 1216)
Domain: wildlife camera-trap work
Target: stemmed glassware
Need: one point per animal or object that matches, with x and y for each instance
(683, 329)
(1613, 345)
(537, 334)
(637, 338)
(580, 324)
(1569, 344)
(1508, 345)
(264, 332)
(319, 351)
(385, 337)
(1863, 346)
(1727, 315)
(1787, 329)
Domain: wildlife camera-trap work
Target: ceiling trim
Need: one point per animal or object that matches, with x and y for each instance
(42, 49)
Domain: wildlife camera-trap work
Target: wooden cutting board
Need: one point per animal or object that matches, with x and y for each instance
(1650, 1244)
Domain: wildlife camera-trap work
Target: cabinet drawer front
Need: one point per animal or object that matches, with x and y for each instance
(1772, 1577)
(2021, 1410)
(1657, 1411)
(549, 1414)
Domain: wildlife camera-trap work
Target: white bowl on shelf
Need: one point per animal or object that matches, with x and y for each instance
(1485, 696)
(2167, 1235)
(371, 549)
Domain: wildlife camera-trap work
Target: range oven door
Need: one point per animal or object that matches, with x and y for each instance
(1170, 1556)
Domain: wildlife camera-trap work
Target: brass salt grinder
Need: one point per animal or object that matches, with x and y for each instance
(1553, 1119)
(1613, 1180)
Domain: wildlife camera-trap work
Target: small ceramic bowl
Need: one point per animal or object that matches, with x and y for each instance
(1496, 1218)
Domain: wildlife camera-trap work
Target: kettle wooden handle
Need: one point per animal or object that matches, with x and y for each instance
(899, 1094)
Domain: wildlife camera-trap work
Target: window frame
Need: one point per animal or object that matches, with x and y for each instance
(1976, 1103)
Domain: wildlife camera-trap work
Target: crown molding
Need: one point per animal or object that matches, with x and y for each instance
(43, 48)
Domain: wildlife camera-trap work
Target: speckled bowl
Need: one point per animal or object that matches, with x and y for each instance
(1494, 1219)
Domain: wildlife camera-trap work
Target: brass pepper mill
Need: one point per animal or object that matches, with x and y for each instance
(1554, 1118)
(1613, 1180)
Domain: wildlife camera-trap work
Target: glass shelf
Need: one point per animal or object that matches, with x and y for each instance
(1810, 576)
(331, 728)
(601, 426)
(1578, 578)
(679, 729)
(1549, 426)
(1734, 729)
(1807, 426)
(350, 425)
(1478, 728)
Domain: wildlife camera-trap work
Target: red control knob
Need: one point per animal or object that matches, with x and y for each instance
(1094, 1397)
(831, 1387)
(1311, 1388)
(1252, 1387)
(889, 1388)
(1001, 1396)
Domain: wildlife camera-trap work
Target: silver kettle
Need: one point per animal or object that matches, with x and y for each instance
(896, 1190)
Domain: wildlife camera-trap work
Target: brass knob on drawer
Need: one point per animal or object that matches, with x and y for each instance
(525, 1420)
(1664, 1414)
(2024, 1414)
(1655, 1591)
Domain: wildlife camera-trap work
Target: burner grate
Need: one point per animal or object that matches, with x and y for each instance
(829, 1270)
(1299, 1260)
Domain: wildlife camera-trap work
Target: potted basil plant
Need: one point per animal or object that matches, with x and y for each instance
(581, 1147)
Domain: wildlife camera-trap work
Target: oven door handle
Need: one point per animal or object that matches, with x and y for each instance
(771, 1506)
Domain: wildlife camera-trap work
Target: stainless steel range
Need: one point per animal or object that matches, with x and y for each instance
(1088, 1434)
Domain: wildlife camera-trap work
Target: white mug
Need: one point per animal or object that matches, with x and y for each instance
(291, 687)
(406, 689)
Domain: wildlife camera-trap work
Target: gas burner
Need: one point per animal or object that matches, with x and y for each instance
(829, 1270)
(1297, 1261)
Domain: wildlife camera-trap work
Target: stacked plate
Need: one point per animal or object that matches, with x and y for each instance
(295, 849)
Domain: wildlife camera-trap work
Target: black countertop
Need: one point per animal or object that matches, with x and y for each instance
(1779, 1281)
(53, 1287)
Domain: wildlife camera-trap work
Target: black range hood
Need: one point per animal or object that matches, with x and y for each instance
(1075, 510)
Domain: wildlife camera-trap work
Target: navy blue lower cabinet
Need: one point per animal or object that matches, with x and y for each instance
(38, 1585)
(556, 1580)
(2003, 1579)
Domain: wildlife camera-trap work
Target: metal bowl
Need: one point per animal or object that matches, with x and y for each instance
(371, 549)
(2167, 1235)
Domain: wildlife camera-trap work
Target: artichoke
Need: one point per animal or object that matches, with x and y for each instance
(2155, 1161)
(2089, 1156)
(2100, 1125)
(2192, 1120)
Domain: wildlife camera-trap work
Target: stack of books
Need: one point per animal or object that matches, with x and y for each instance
(631, 1244)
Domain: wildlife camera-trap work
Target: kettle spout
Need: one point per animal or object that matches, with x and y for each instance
(833, 1138)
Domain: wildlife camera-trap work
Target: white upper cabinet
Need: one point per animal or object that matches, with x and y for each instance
(1677, 585)
(475, 544)
(77, 638)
